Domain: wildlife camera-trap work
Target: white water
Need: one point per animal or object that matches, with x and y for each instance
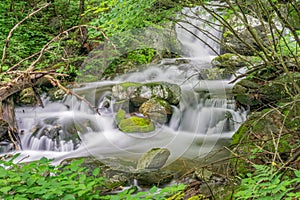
(204, 121)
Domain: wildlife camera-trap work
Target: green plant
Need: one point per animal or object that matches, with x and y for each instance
(41, 180)
(267, 183)
(153, 193)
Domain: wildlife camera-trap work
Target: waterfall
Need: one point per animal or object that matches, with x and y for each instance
(204, 120)
(196, 33)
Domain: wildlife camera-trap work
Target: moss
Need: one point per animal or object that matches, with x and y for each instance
(120, 116)
(227, 34)
(241, 132)
(27, 97)
(136, 125)
(125, 85)
(229, 60)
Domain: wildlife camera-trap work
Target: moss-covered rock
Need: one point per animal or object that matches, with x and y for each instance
(120, 116)
(246, 94)
(139, 93)
(257, 93)
(264, 133)
(157, 110)
(229, 60)
(136, 124)
(27, 97)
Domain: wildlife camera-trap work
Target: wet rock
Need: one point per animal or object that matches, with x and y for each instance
(256, 94)
(136, 124)
(153, 159)
(59, 95)
(157, 110)
(133, 124)
(27, 97)
(150, 178)
(138, 93)
(229, 60)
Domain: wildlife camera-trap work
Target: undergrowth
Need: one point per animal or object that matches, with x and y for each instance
(41, 180)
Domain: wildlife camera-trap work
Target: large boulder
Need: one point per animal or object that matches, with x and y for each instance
(153, 159)
(133, 124)
(157, 110)
(138, 93)
(254, 139)
(229, 60)
(256, 93)
(148, 170)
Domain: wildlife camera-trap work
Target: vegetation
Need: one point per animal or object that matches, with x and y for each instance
(41, 180)
(51, 39)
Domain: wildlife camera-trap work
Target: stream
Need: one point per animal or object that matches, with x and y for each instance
(202, 123)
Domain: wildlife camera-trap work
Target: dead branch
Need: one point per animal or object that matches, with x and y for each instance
(15, 27)
(56, 83)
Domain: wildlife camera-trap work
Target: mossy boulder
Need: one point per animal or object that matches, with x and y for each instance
(136, 125)
(138, 93)
(27, 97)
(230, 61)
(266, 132)
(157, 177)
(257, 93)
(246, 94)
(133, 124)
(157, 110)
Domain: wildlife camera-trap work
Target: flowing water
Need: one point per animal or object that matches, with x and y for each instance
(203, 122)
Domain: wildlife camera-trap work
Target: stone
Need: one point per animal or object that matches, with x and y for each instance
(153, 159)
(256, 93)
(150, 178)
(229, 60)
(120, 116)
(27, 97)
(138, 93)
(59, 95)
(158, 110)
(136, 124)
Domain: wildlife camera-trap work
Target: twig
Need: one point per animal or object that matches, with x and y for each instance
(56, 82)
(12, 140)
(237, 156)
(294, 157)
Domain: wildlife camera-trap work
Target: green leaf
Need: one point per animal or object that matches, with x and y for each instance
(69, 197)
(5, 189)
(96, 172)
(153, 190)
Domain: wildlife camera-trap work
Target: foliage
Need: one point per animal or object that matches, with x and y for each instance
(267, 183)
(152, 193)
(41, 180)
(36, 31)
(117, 16)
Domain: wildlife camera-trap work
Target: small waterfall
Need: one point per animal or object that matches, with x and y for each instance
(197, 34)
(205, 119)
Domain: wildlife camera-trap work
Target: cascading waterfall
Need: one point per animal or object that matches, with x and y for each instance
(205, 119)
